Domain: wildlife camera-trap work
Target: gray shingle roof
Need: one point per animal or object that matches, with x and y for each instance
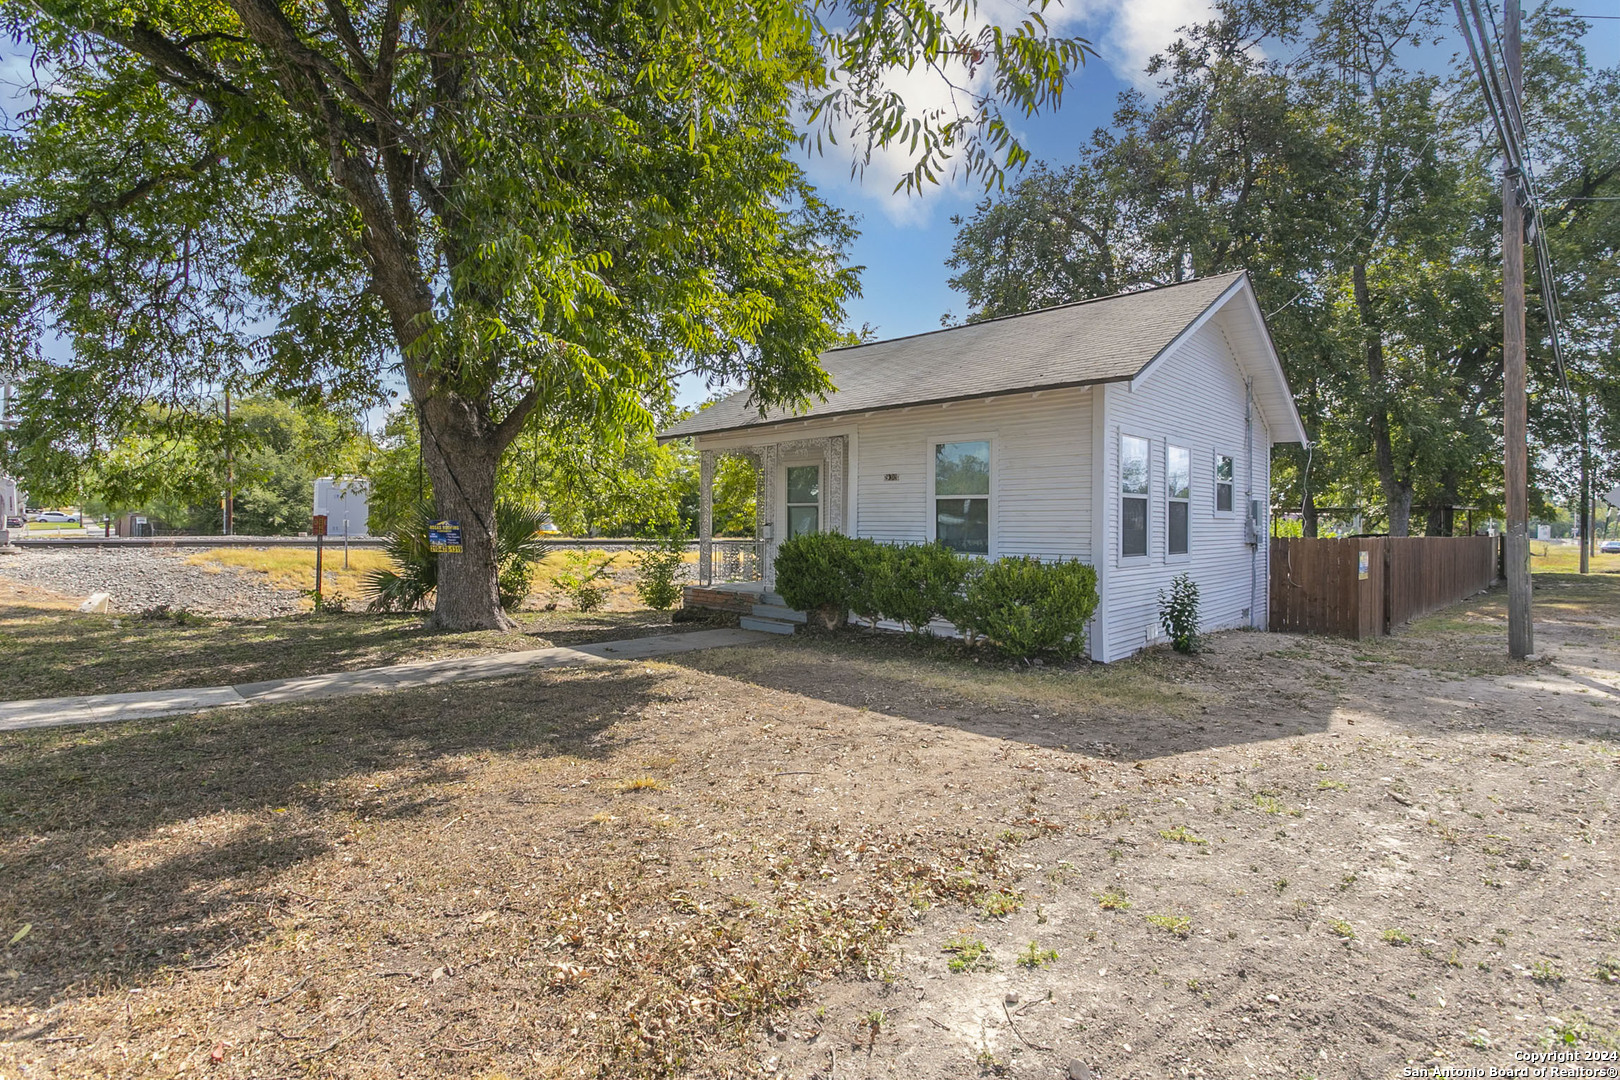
(1093, 341)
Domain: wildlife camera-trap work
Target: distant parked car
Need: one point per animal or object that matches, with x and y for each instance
(56, 517)
(1610, 547)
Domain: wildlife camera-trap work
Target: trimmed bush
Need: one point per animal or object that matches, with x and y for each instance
(1025, 606)
(813, 572)
(917, 583)
(1020, 604)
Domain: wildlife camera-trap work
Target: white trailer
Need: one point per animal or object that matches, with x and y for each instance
(345, 500)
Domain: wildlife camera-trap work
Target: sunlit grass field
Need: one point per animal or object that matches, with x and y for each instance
(1564, 557)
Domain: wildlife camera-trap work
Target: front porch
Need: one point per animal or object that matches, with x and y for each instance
(798, 487)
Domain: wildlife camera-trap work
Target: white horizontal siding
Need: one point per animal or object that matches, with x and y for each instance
(1041, 481)
(1193, 398)
(1041, 471)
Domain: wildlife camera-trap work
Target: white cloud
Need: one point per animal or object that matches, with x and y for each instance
(1125, 34)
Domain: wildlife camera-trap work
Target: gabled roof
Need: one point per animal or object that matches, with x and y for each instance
(1109, 339)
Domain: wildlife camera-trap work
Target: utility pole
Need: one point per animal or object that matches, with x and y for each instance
(1586, 488)
(230, 470)
(1521, 632)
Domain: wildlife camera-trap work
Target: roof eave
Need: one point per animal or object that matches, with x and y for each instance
(670, 436)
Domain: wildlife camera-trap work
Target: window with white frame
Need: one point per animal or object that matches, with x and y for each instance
(803, 500)
(1133, 495)
(1178, 494)
(962, 496)
(1223, 483)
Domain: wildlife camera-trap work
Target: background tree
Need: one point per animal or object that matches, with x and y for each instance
(1293, 141)
(532, 208)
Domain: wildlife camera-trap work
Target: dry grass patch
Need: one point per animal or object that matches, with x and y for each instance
(53, 653)
(444, 882)
(293, 568)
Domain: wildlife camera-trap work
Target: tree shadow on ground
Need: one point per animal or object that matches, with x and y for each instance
(1427, 678)
(1155, 705)
(56, 654)
(138, 846)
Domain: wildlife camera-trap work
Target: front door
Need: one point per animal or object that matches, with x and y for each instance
(803, 500)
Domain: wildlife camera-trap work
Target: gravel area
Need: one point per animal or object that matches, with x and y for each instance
(144, 579)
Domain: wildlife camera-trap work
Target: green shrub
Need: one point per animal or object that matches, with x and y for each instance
(1178, 614)
(1025, 606)
(813, 571)
(658, 571)
(581, 580)
(917, 583)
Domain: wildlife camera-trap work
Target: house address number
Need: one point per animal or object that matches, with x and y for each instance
(891, 476)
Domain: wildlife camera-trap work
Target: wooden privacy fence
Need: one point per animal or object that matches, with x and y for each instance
(1363, 587)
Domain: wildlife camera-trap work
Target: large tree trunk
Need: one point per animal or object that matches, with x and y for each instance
(461, 448)
(1397, 492)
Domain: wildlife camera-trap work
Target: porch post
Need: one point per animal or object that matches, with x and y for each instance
(834, 483)
(765, 514)
(705, 517)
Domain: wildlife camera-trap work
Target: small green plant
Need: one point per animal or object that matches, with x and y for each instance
(1269, 804)
(1034, 956)
(1112, 900)
(1397, 936)
(1607, 969)
(1179, 925)
(1332, 785)
(1342, 929)
(658, 571)
(968, 954)
(1182, 835)
(1178, 614)
(581, 580)
(1545, 973)
(1001, 903)
(1280, 884)
(182, 617)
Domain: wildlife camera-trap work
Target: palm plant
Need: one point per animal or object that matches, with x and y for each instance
(408, 585)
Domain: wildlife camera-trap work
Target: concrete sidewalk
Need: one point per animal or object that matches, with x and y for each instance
(110, 708)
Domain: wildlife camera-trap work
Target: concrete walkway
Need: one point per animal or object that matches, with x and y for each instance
(110, 708)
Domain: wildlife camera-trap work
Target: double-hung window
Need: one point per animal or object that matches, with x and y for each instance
(1133, 495)
(962, 496)
(1223, 483)
(1177, 493)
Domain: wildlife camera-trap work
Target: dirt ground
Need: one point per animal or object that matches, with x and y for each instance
(1283, 857)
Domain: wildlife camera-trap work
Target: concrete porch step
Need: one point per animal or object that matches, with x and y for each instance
(778, 611)
(769, 626)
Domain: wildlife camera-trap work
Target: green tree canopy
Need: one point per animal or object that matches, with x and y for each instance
(525, 208)
(1362, 197)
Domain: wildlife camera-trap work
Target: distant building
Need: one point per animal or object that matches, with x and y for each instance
(346, 502)
(11, 497)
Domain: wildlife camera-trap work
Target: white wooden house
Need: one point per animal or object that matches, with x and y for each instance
(1132, 432)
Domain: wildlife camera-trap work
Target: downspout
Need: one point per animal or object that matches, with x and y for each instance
(1250, 527)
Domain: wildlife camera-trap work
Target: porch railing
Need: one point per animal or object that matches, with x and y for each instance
(735, 560)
